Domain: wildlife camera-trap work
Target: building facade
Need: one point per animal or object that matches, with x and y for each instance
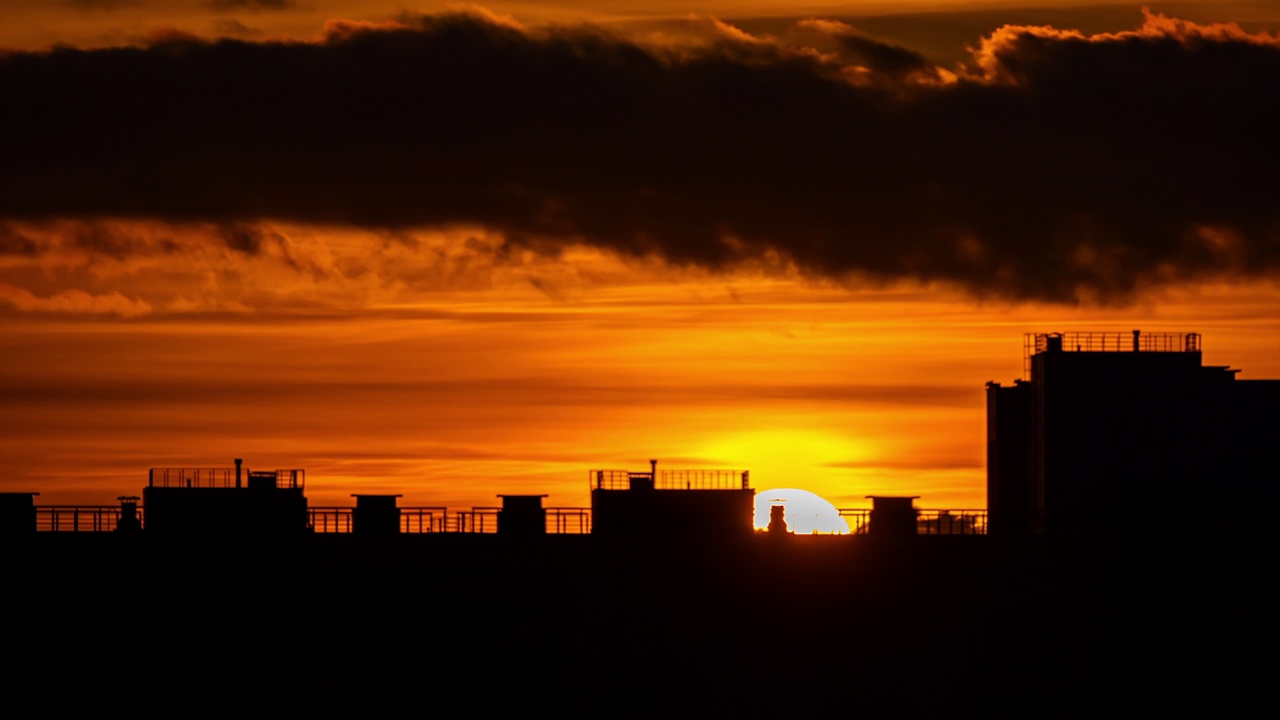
(1127, 433)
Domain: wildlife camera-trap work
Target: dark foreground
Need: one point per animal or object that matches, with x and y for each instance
(476, 626)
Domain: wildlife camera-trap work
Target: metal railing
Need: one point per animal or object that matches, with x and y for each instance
(859, 519)
(413, 520)
(286, 478)
(478, 520)
(221, 477)
(616, 479)
(928, 522)
(672, 479)
(951, 522)
(192, 477)
(417, 520)
(1136, 341)
(568, 521)
(78, 518)
(703, 480)
(422, 520)
(330, 519)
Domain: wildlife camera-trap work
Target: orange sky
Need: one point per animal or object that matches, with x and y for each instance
(440, 364)
(420, 375)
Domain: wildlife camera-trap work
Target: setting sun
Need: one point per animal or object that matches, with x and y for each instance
(805, 513)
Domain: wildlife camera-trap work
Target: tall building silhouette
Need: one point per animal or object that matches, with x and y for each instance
(1118, 433)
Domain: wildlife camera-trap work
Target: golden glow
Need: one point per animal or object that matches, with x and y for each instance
(790, 447)
(451, 375)
(804, 512)
(445, 366)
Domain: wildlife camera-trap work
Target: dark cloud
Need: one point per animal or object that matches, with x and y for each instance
(247, 239)
(227, 27)
(252, 4)
(95, 238)
(103, 239)
(102, 4)
(16, 242)
(857, 48)
(883, 56)
(1058, 166)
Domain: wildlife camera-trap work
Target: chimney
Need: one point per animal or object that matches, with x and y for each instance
(239, 462)
(778, 519)
(1136, 334)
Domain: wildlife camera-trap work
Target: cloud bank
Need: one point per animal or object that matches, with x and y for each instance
(1054, 166)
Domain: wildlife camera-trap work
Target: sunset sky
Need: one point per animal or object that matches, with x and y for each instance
(451, 251)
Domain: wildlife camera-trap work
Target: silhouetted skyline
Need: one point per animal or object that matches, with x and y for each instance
(447, 255)
(440, 259)
(1107, 435)
(1121, 542)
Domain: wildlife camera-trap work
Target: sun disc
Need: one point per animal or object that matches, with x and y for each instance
(805, 512)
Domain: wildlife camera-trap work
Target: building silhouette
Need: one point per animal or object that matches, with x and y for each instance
(218, 500)
(17, 513)
(893, 516)
(1126, 433)
(1106, 433)
(375, 514)
(675, 504)
(224, 594)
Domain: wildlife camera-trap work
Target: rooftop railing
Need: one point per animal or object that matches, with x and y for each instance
(285, 478)
(1135, 341)
(568, 521)
(951, 522)
(858, 519)
(672, 479)
(425, 520)
(413, 520)
(330, 519)
(222, 477)
(192, 477)
(78, 518)
(478, 520)
(928, 522)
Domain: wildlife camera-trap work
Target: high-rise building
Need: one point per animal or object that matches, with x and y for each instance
(1119, 433)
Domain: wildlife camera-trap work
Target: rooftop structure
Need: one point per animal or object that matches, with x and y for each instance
(673, 503)
(225, 500)
(1118, 432)
(679, 504)
(17, 513)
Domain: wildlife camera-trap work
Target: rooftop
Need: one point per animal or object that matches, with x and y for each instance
(223, 477)
(672, 479)
(1109, 342)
